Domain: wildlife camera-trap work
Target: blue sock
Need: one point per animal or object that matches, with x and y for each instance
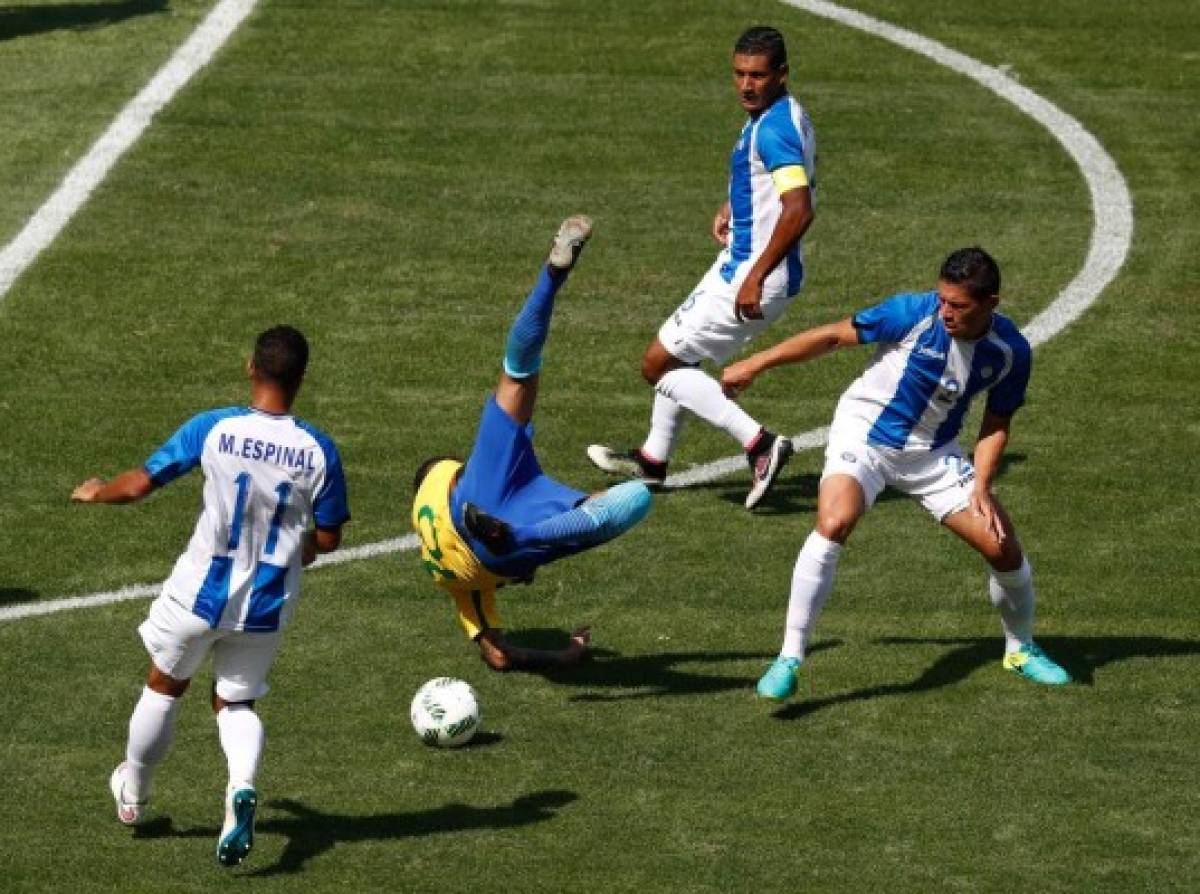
(595, 521)
(523, 350)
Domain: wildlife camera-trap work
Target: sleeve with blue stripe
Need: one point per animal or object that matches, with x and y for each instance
(779, 142)
(1008, 395)
(331, 506)
(894, 318)
(181, 452)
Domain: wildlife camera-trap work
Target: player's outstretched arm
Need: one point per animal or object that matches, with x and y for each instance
(801, 347)
(501, 655)
(128, 487)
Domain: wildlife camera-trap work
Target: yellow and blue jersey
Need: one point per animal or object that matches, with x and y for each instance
(448, 558)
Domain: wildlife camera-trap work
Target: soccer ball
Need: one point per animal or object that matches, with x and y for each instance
(445, 712)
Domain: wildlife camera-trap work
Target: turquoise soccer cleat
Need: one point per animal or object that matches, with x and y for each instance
(1031, 662)
(237, 835)
(779, 682)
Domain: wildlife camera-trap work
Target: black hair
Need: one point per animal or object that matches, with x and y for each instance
(974, 268)
(763, 40)
(281, 357)
(426, 467)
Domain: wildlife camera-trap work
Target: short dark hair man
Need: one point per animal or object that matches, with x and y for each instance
(898, 425)
(274, 497)
(757, 275)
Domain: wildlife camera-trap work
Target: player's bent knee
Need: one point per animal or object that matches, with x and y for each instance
(652, 369)
(835, 527)
(1006, 559)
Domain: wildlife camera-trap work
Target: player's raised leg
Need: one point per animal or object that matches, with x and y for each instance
(242, 739)
(1010, 588)
(681, 386)
(517, 391)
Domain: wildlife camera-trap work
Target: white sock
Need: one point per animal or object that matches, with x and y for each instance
(242, 739)
(812, 580)
(151, 728)
(702, 394)
(666, 422)
(1012, 593)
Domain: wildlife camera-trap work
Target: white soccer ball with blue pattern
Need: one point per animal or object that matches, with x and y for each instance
(445, 712)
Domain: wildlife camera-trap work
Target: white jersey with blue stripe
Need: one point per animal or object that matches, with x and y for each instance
(781, 136)
(920, 382)
(267, 479)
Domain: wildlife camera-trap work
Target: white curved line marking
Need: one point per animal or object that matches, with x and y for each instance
(1112, 210)
(88, 173)
(1112, 231)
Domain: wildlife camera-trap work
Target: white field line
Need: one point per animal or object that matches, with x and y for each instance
(1112, 209)
(1112, 231)
(50, 219)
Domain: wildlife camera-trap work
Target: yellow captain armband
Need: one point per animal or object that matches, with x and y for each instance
(789, 177)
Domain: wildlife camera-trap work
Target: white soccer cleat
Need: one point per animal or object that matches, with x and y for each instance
(629, 463)
(569, 241)
(237, 835)
(129, 811)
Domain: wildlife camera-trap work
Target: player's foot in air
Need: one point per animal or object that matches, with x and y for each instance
(493, 533)
(237, 835)
(780, 680)
(129, 811)
(767, 459)
(569, 241)
(1032, 663)
(629, 463)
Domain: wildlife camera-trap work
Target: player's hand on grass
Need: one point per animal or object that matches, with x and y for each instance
(86, 492)
(581, 638)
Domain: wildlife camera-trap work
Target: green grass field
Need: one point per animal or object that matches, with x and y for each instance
(386, 175)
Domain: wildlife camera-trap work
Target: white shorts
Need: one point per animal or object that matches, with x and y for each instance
(705, 326)
(178, 642)
(941, 479)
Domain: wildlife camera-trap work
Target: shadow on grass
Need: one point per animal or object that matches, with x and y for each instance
(16, 595)
(23, 21)
(653, 675)
(1080, 655)
(311, 833)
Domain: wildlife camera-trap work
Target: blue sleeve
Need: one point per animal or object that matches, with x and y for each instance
(331, 506)
(1008, 395)
(181, 452)
(779, 143)
(894, 318)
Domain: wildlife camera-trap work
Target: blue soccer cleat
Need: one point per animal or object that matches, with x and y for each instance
(237, 835)
(1031, 662)
(779, 682)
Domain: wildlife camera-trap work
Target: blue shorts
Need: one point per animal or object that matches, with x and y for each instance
(502, 477)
